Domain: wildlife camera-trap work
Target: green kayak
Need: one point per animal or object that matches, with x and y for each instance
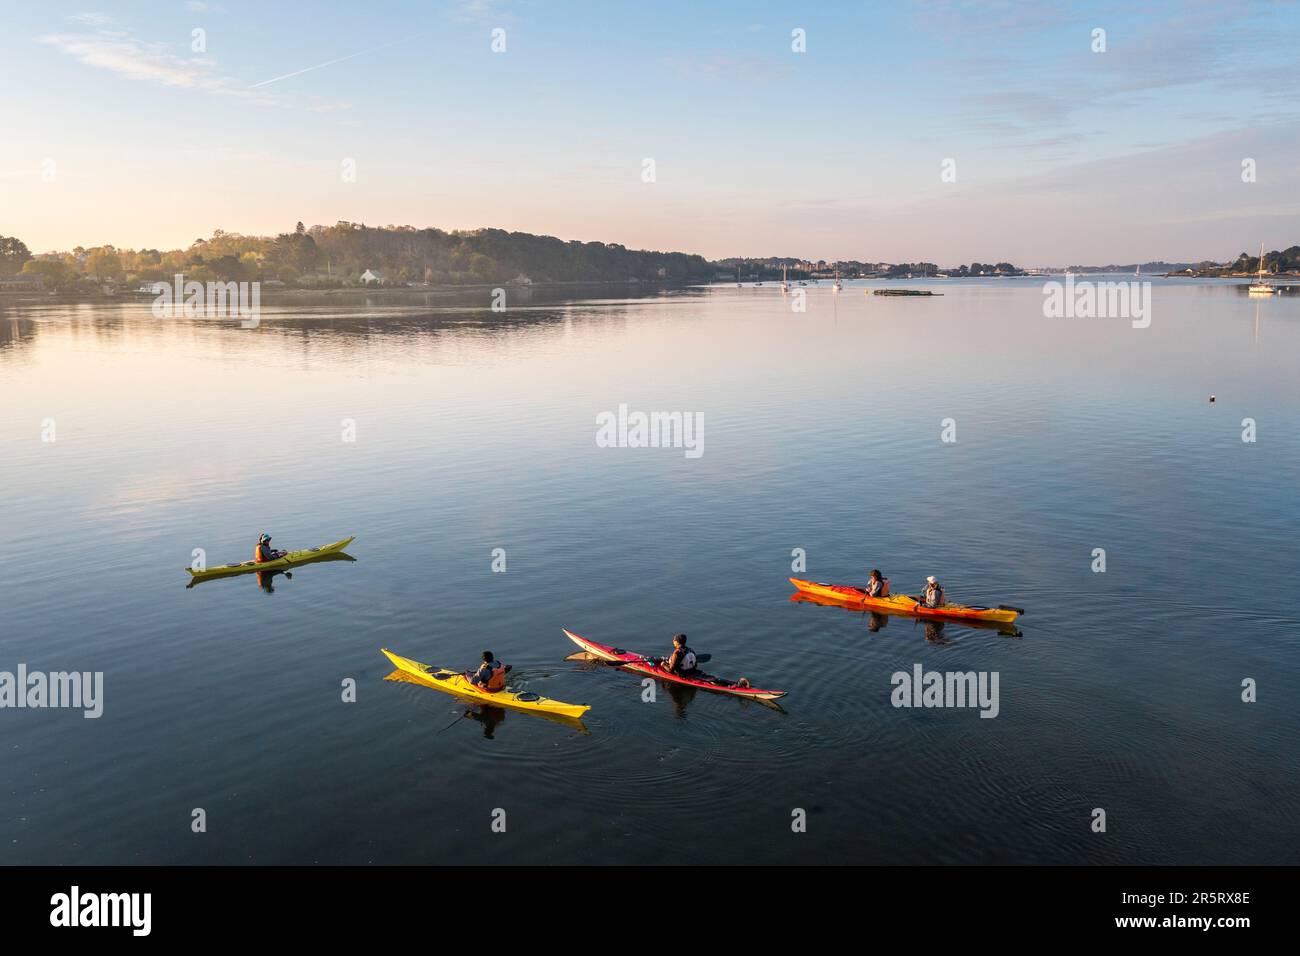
(305, 556)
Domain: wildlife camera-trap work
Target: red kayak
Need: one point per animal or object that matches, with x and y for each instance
(637, 662)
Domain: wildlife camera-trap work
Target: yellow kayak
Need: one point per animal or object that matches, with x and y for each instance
(459, 685)
(288, 561)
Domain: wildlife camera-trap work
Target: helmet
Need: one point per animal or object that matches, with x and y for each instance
(263, 538)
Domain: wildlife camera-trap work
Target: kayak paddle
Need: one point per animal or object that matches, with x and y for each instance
(699, 659)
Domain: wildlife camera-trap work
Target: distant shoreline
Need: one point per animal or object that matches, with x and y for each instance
(387, 291)
(281, 293)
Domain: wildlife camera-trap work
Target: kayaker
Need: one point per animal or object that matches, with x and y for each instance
(264, 552)
(933, 596)
(491, 674)
(876, 585)
(682, 660)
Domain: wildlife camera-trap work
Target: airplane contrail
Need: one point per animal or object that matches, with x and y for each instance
(318, 66)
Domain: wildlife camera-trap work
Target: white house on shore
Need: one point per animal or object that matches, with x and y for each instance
(372, 277)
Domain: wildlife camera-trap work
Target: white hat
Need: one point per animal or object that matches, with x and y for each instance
(930, 579)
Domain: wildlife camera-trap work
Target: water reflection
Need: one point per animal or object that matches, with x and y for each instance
(15, 335)
(487, 715)
(683, 695)
(357, 316)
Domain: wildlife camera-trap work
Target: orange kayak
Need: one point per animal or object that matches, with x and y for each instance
(903, 604)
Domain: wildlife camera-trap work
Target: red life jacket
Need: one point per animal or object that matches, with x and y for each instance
(496, 677)
(262, 553)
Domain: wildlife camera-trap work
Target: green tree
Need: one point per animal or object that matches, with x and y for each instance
(104, 263)
(229, 268)
(54, 273)
(13, 255)
(482, 266)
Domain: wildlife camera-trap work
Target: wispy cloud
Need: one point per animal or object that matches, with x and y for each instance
(92, 19)
(479, 11)
(1025, 72)
(123, 54)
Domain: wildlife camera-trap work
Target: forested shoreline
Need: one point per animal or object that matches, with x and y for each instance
(350, 254)
(347, 254)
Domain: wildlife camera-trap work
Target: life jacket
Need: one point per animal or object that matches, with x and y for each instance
(881, 588)
(933, 595)
(496, 677)
(686, 661)
(262, 553)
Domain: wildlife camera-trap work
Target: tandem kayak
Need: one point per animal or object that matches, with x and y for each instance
(883, 615)
(288, 561)
(637, 662)
(903, 604)
(459, 685)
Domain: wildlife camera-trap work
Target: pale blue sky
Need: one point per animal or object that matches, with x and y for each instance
(1062, 155)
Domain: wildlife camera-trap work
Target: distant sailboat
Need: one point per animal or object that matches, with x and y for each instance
(838, 284)
(1137, 271)
(785, 286)
(1259, 286)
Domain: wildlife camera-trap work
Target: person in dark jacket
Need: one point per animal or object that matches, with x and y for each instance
(682, 660)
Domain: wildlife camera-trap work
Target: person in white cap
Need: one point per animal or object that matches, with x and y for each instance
(933, 596)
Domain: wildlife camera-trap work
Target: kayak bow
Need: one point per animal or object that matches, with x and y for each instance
(635, 662)
(903, 604)
(459, 686)
(288, 561)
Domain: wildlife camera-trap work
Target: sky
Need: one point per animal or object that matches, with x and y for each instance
(124, 125)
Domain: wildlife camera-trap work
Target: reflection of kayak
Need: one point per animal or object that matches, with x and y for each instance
(903, 604)
(288, 561)
(702, 681)
(802, 597)
(459, 685)
(487, 714)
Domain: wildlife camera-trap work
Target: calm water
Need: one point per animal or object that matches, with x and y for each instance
(476, 431)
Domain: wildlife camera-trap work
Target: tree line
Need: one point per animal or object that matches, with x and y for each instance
(341, 253)
(1287, 260)
(338, 255)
